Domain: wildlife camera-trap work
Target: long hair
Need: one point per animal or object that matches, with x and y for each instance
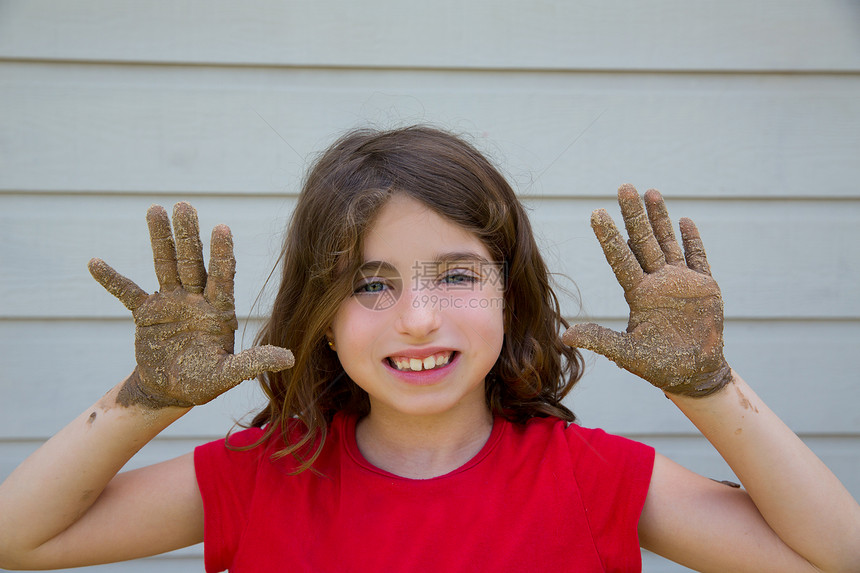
(343, 192)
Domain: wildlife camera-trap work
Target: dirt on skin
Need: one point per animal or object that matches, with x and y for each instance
(184, 333)
(745, 402)
(674, 336)
(727, 482)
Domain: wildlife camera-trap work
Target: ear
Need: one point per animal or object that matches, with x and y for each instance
(329, 334)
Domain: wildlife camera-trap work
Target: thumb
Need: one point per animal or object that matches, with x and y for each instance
(611, 344)
(254, 361)
(128, 293)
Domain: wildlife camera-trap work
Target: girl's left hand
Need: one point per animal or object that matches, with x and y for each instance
(674, 337)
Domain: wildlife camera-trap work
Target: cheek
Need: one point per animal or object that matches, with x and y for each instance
(497, 325)
(490, 339)
(485, 316)
(353, 329)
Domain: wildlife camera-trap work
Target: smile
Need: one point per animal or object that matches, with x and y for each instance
(407, 364)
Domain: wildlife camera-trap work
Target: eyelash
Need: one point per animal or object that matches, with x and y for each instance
(363, 287)
(459, 276)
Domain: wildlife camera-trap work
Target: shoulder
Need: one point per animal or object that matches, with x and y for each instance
(585, 445)
(239, 440)
(594, 444)
(242, 444)
(595, 458)
(603, 462)
(239, 454)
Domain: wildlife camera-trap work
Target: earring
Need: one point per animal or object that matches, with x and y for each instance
(331, 344)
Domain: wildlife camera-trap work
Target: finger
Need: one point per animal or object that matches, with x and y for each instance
(222, 269)
(694, 250)
(128, 293)
(253, 362)
(642, 241)
(163, 249)
(611, 344)
(189, 249)
(662, 225)
(619, 256)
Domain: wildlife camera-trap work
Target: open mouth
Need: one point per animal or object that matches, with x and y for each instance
(406, 364)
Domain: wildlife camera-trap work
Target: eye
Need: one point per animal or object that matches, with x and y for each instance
(371, 286)
(459, 277)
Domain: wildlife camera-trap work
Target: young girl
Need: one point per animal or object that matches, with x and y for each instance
(420, 426)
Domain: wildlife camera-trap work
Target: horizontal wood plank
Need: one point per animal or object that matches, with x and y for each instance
(783, 361)
(174, 129)
(790, 259)
(622, 34)
(52, 371)
(773, 259)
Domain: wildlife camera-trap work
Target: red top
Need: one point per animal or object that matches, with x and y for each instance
(543, 496)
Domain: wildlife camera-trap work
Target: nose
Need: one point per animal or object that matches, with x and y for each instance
(418, 313)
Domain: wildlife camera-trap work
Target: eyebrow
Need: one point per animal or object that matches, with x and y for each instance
(462, 257)
(376, 267)
(449, 257)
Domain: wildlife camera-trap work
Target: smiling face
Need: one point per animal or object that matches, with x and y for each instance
(424, 324)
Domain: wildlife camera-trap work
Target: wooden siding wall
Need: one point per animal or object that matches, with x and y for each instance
(746, 116)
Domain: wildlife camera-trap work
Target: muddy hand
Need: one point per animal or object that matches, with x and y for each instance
(184, 332)
(674, 336)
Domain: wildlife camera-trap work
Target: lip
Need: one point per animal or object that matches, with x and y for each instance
(423, 377)
(421, 352)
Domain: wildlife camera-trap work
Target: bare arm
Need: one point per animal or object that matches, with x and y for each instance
(794, 515)
(66, 506)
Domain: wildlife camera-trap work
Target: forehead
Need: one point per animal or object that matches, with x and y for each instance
(406, 230)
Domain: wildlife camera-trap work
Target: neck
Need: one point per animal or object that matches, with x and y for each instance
(422, 447)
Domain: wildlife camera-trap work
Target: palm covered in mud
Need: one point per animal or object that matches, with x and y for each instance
(674, 334)
(184, 333)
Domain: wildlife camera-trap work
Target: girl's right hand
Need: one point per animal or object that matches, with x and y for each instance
(184, 333)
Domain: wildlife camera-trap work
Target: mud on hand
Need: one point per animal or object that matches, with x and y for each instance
(184, 333)
(674, 336)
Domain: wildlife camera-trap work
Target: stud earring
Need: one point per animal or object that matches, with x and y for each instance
(331, 344)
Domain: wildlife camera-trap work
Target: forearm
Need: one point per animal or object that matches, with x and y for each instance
(56, 485)
(801, 500)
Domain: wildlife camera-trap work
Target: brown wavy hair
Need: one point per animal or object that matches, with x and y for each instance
(344, 190)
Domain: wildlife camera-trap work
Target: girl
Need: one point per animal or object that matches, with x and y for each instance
(420, 426)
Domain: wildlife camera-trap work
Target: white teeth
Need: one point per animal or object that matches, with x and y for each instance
(418, 364)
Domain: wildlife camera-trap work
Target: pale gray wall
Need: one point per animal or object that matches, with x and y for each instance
(746, 116)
